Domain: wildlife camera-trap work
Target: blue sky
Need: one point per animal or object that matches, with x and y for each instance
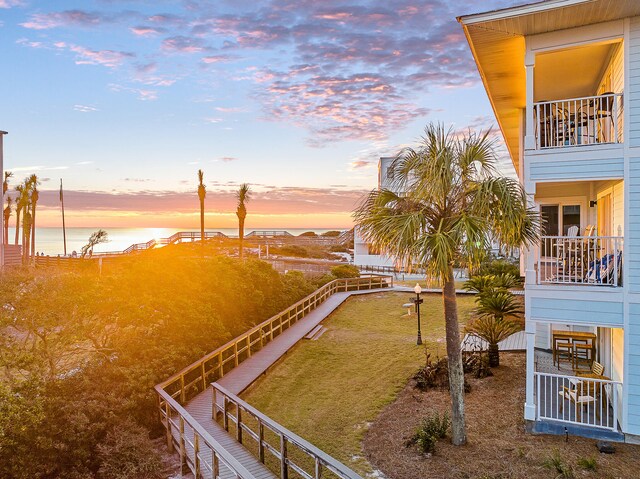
(125, 100)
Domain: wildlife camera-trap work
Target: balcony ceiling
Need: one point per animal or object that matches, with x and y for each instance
(497, 42)
(584, 67)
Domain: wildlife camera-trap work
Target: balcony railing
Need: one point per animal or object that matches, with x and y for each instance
(588, 260)
(588, 120)
(578, 400)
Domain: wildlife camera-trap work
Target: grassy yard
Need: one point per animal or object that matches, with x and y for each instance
(329, 391)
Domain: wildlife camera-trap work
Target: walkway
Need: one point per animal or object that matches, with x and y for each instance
(242, 376)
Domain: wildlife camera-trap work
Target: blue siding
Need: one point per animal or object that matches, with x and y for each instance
(580, 169)
(632, 239)
(632, 102)
(605, 313)
(632, 373)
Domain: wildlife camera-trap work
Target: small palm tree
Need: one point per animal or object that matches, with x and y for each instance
(243, 195)
(202, 193)
(5, 182)
(444, 202)
(498, 312)
(7, 216)
(97, 237)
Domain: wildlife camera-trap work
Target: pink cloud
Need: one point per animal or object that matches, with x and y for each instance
(107, 58)
(143, 31)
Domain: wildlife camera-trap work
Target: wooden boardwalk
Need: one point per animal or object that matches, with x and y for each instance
(242, 376)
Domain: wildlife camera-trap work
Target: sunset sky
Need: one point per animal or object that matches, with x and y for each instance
(126, 100)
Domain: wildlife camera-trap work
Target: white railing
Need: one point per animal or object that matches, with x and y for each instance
(579, 121)
(578, 400)
(292, 453)
(588, 260)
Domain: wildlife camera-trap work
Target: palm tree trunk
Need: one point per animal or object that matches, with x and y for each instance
(33, 230)
(18, 210)
(454, 355)
(241, 235)
(202, 221)
(494, 355)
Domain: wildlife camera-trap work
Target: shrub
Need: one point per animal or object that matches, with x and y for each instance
(307, 234)
(498, 266)
(128, 452)
(431, 429)
(435, 375)
(557, 464)
(588, 463)
(332, 234)
(345, 271)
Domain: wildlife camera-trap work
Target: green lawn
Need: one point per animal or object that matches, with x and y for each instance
(327, 391)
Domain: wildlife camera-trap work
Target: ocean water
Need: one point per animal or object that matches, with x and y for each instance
(50, 240)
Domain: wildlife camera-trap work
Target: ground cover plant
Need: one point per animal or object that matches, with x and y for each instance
(498, 446)
(336, 386)
(80, 352)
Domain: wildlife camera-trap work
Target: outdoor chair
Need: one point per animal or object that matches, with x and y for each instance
(580, 394)
(596, 368)
(582, 355)
(563, 351)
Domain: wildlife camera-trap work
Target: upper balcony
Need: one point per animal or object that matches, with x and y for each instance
(566, 123)
(575, 120)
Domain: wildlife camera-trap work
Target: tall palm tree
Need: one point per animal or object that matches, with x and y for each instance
(35, 196)
(444, 200)
(202, 193)
(7, 215)
(243, 195)
(26, 233)
(21, 201)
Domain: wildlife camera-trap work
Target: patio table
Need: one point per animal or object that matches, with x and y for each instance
(572, 336)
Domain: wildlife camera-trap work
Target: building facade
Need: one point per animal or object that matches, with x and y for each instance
(364, 254)
(563, 78)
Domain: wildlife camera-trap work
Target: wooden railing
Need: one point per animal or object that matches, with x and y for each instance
(199, 451)
(176, 391)
(271, 437)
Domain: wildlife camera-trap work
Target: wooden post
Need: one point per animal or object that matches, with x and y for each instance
(238, 423)
(216, 465)
(214, 412)
(284, 467)
(235, 353)
(183, 452)
(220, 365)
(182, 394)
(318, 469)
(196, 451)
(225, 413)
(169, 435)
(204, 380)
(249, 345)
(260, 441)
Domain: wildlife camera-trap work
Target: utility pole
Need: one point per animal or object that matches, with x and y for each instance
(64, 228)
(2, 245)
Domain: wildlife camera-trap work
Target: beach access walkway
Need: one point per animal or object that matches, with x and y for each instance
(192, 402)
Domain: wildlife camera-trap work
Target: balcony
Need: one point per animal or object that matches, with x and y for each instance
(580, 260)
(591, 120)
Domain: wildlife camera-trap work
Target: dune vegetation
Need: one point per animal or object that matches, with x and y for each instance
(80, 352)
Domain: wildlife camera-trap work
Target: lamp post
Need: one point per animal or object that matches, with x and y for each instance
(418, 302)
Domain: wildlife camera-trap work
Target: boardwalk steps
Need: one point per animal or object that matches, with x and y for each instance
(192, 419)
